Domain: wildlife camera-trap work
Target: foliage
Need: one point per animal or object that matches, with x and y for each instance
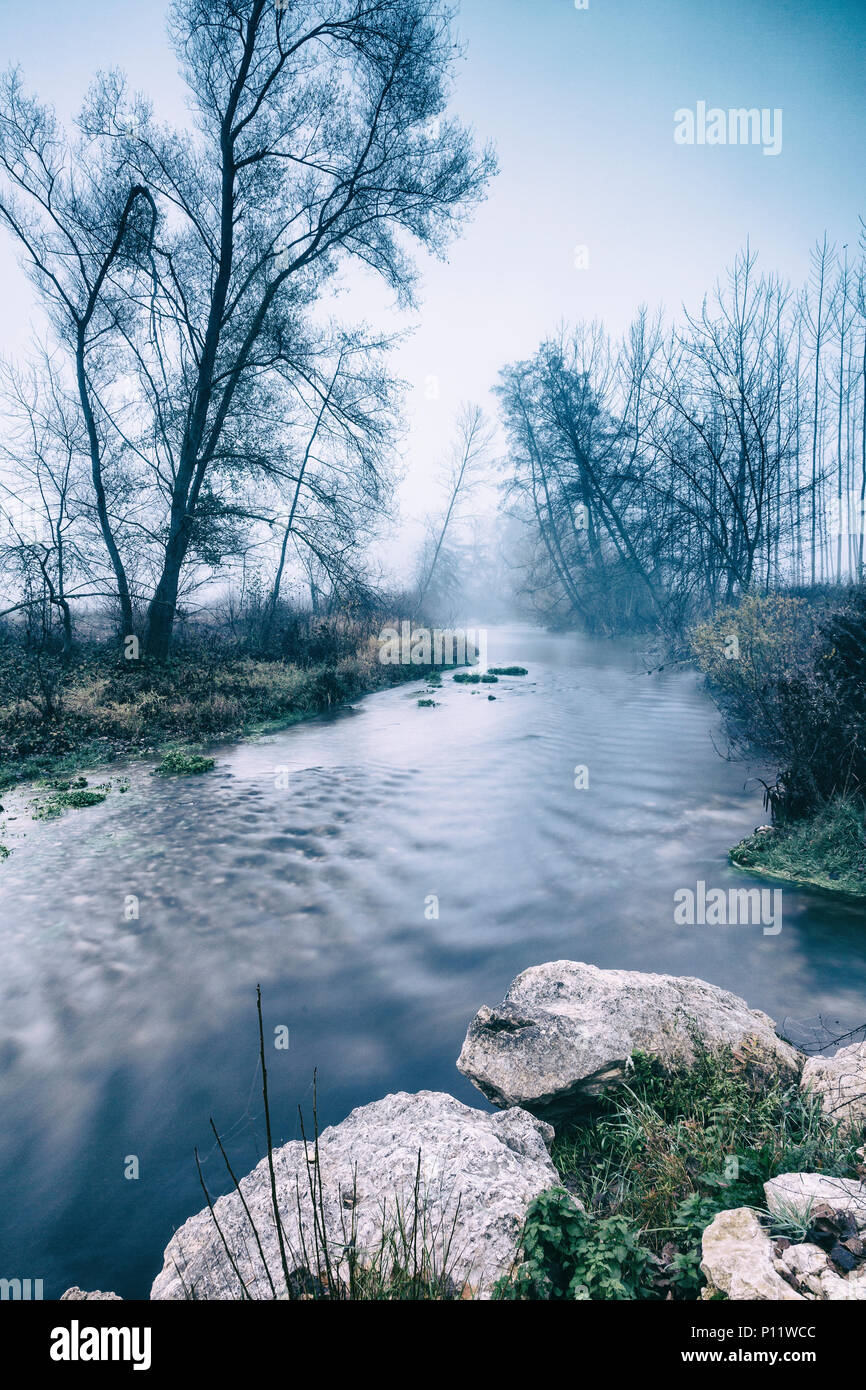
(788, 676)
(177, 762)
(567, 1254)
(668, 1150)
(67, 797)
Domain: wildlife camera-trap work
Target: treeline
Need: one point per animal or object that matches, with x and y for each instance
(684, 466)
(194, 411)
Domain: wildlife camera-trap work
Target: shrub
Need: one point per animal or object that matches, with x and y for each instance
(793, 692)
(568, 1255)
(669, 1150)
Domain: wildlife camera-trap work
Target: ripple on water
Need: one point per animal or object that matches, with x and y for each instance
(410, 868)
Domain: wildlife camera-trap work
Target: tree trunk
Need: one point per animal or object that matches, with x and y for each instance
(163, 605)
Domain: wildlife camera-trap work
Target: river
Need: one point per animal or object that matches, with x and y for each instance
(315, 861)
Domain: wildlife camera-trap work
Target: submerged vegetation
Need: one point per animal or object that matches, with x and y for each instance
(179, 762)
(64, 796)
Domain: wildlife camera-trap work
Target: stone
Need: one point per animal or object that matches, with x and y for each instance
(840, 1083)
(814, 1277)
(565, 1032)
(478, 1174)
(76, 1293)
(742, 1261)
(738, 1259)
(796, 1195)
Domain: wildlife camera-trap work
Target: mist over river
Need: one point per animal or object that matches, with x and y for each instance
(121, 1038)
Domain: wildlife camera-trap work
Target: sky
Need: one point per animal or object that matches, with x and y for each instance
(580, 104)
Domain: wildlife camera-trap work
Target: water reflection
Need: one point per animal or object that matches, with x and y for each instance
(121, 1037)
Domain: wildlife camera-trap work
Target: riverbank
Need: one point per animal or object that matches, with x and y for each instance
(319, 885)
(642, 1120)
(788, 673)
(104, 709)
(825, 853)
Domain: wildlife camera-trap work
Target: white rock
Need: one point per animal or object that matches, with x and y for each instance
(565, 1031)
(738, 1259)
(840, 1082)
(816, 1278)
(75, 1293)
(479, 1172)
(795, 1194)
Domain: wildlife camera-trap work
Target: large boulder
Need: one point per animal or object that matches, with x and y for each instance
(565, 1032)
(478, 1173)
(840, 1083)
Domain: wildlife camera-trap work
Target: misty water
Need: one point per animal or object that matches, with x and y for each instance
(121, 1038)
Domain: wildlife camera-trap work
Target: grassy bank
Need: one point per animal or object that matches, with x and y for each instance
(101, 708)
(642, 1177)
(660, 1157)
(789, 675)
(826, 851)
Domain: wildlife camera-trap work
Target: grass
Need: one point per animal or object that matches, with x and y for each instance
(826, 852)
(508, 671)
(426, 704)
(474, 678)
(105, 708)
(666, 1152)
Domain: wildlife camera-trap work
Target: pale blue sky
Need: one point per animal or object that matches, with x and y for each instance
(580, 105)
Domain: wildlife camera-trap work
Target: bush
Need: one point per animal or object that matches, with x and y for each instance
(792, 689)
(568, 1255)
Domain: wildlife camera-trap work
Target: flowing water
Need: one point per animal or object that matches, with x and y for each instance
(315, 862)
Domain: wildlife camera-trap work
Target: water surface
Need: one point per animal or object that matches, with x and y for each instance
(121, 1038)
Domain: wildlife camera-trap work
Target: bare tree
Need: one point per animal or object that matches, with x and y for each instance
(470, 450)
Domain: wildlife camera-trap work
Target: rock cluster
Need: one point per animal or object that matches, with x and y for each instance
(742, 1260)
(462, 1179)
